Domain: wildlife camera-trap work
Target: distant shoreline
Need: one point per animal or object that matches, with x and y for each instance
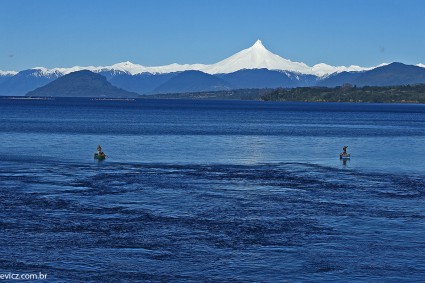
(27, 98)
(408, 94)
(347, 93)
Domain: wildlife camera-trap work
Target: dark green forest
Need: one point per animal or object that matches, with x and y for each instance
(346, 93)
(349, 93)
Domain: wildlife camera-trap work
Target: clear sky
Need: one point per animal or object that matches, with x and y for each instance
(54, 33)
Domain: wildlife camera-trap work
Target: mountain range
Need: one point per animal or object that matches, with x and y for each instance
(254, 67)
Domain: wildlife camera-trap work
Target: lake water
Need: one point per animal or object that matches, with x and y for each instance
(212, 191)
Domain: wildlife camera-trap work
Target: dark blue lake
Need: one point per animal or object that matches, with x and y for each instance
(212, 191)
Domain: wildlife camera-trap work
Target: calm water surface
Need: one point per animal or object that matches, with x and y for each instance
(212, 191)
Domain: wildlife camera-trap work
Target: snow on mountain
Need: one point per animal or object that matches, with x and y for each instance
(254, 57)
(134, 69)
(65, 71)
(125, 67)
(323, 70)
(258, 57)
(7, 73)
(176, 68)
(44, 72)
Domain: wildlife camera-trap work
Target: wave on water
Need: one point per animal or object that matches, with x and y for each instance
(165, 222)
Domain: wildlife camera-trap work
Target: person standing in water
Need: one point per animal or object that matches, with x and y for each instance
(100, 155)
(344, 153)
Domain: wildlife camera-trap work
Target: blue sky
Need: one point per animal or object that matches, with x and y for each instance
(151, 33)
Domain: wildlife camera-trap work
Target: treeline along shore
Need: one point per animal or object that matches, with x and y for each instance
(350, 93)
(345, 93)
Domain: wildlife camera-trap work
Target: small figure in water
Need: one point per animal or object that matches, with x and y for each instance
(344, 153)
(99, 154)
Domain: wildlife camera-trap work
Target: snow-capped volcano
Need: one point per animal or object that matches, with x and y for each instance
(255, 57)
(258, 57)
(253, 67)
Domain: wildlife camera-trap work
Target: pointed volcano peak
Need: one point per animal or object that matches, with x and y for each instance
(258, 44)
(256, 57)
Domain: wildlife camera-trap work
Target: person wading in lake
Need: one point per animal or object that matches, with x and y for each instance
(99, 150)
(100, 155)
(344, 150)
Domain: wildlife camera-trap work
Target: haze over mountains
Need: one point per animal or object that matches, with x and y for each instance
(254, 67)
